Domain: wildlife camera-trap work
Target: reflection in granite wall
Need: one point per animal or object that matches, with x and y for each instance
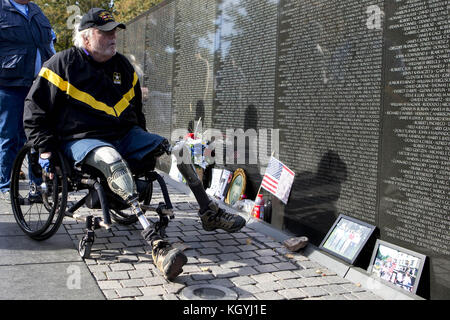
(358, 90)
(245, 76)
(134, 44)
(158, 69)
(194, 60)
(329, 80)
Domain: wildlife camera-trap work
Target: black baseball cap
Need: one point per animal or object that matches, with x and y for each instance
(100, 19)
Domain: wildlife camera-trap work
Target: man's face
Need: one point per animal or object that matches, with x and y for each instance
(102, 44)
(22, 1)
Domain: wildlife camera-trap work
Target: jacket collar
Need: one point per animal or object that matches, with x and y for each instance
(33, 8)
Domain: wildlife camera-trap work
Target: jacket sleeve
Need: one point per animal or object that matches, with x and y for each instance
(39, 119)
(139, 108)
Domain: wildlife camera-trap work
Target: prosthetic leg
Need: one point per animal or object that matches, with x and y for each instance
(120, 180)
(211, 215)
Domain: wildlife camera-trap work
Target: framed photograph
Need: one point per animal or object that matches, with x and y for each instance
(346, 238)
(399, 267)
(215, 182)
(225, 180)
(237, 187)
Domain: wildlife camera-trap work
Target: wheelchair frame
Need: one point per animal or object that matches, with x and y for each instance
(49, 194)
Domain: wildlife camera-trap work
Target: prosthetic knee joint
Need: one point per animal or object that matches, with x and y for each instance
(119, 177)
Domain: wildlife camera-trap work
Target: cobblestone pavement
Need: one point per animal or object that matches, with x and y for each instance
(253, 265)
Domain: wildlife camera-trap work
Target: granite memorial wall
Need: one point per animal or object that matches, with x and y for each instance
(357, 89)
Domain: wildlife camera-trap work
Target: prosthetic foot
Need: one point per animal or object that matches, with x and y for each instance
(167, 259)
(211, 215)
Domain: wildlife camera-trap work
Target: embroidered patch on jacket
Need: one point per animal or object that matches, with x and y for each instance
(117, 78)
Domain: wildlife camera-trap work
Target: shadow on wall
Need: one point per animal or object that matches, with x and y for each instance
(199, 114)
(311, 209)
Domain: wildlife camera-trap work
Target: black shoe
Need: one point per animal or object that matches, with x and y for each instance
(168, 260)
(215, 218)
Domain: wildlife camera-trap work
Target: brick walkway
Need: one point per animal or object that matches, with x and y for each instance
(253, 265)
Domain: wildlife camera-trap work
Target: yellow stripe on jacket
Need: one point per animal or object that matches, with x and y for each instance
(86, 98)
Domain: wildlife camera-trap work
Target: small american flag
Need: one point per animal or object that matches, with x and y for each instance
(278, 179)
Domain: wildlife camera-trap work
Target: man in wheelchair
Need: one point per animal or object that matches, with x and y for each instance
(87, 102)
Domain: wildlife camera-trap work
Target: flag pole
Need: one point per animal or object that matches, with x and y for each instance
(259, 190)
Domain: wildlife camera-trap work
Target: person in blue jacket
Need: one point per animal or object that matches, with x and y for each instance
(26, 41)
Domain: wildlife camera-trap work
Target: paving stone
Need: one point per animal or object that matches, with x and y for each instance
(222, 272)
(314, 291)
(210, 244)
(248, 289)
(245, 271)
(248, 247)
(207, 237)
(283, 275)
(110, 284)
(309, 265)
(352, 287)
(334, 297)
(99, 276)
(139, 274)
(266, 268)
(99, 268)
(208, 258)
(132, 283)
(307, 273)
(155, 281)
(120, 275)
(120, 267)
(285, 266)
(208, 251)
(269, 286)
(313, 282)
(229, 249)
(264, 278)
(366, 296)
(243, 280)
(110, 294)
(293, 293)
(222, 282)
(335, 280)
(202, 276)
(335, 289)
(247, 254)
(266, 252)
(228, 256)
(152, 291)
(170, 297)
(291, 283)
(269, 296)
(173, 287)
(127, 258)
(222, 236)
(267, 259)
(128, 292)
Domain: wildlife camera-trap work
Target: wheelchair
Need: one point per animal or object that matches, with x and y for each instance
(39, 200)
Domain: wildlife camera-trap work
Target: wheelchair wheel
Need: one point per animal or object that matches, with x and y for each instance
(127, 217)
(38, 207)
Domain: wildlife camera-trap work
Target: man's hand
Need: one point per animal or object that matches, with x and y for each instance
(44, 162)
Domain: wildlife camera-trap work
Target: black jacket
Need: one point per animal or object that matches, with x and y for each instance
(19, 39)
(75, 97)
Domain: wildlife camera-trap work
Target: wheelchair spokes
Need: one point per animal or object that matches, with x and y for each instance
(38, 205)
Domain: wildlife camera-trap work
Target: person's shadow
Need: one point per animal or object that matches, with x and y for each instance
(311, 209)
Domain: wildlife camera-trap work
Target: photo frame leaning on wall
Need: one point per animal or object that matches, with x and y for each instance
(346, 238)
(399, 267)
(237, 187)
